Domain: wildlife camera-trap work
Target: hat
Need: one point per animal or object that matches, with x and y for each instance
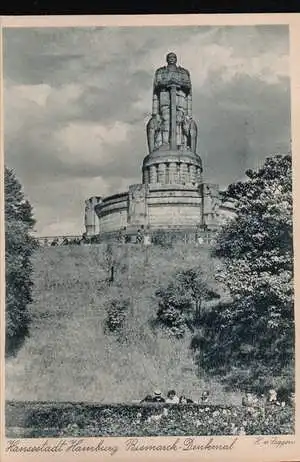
(157, 392)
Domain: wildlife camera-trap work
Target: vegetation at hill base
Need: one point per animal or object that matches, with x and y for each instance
(103, 420)
(19, 247)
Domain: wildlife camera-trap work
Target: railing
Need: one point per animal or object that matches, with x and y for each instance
(157, 237)
(57, 240)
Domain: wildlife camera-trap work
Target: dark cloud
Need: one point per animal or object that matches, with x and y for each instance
(244, 122)
(77, 101)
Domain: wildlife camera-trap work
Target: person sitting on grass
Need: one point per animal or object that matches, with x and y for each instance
(250, 399)
(184, 400)
(172, 398)
(204, 397)
(157, 397)
(272, 397)
(283, 397)
(147, 399)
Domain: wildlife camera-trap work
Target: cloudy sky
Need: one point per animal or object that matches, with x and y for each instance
(77, 100)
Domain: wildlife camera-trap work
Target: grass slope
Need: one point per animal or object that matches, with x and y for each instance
(69, 358)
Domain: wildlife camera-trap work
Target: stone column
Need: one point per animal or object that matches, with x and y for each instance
(153, 174)
(172, 172)
(167, 173)
(184, 173)
(178, 175)
(173, 142)
(192, 174)
(161, 173)
(145, 175)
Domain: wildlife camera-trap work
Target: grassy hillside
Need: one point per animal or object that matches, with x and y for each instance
(69, 358)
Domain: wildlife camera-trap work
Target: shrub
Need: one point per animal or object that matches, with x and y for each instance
(19, 246)
(69, 420)
(181, 302)
(116, 315)
(163, 238)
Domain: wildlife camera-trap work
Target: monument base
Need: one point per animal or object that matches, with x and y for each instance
(182, 211)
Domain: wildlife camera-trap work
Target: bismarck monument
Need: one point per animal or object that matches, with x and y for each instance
(172, 197)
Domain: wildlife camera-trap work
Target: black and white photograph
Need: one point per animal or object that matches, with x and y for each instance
(149, 263)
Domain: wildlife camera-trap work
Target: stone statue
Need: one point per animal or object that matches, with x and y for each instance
(180, 117)
(154, 133)
(172, 103)
(190, 132)
(172, 75)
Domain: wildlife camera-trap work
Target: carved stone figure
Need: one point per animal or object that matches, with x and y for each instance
(154, 134)
(172, 103)
(190, 132)
(172, 75)
(179, 128)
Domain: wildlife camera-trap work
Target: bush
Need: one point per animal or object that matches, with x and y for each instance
(116, 315)
(19, 246)
(164, 239)
(69, 420)
(181, 302)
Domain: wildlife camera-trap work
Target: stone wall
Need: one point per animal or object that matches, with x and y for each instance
(113, 221)
(113, 213)
(173, 216)
(165, 207)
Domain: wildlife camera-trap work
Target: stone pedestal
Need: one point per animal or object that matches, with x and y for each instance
(172, 167)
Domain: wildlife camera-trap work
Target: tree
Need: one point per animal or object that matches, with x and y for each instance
(254, 335)
(19, 246)
(181, 301)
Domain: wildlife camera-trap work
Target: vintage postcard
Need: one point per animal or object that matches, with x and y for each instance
(149, 252)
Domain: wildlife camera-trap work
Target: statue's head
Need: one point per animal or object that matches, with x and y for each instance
(171, 58)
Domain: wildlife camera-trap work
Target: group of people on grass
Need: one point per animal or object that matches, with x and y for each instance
(172, 398)
(250, 401)
(280, 397)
